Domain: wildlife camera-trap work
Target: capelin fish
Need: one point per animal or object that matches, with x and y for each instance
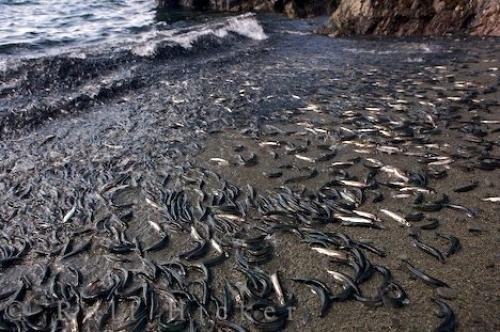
(417, 190)
(355, 221)
(304, 158)
(216, 245)
(356, 184)
(219, 161)
(275, 280)
(326, 157)
(373, 163)
(495, 199)
(414, 216)
(388, 149)
(229, 217)
(454, 243)
(337, 255)
(342, 164)
(469, 212)
(442, 162)
(321, 290)
(69, 215)
(363, 151)
(448, 323)
(431, 281)
(159, 245)
(467, 187)
(359, 144)
(366, 215)
(273, 174)
(427, 248)
(272, 144)
(346, 281)
(396, 217)
(198, 251)
(395, 171)
(151, 203)
(195, 234)
(155, 226)
(81, 248)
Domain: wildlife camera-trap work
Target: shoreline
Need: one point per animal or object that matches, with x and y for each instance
(125, 170)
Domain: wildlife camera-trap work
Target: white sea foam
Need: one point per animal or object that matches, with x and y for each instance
(297, 33)
(247, 26)
(244, 25)
(414, 48)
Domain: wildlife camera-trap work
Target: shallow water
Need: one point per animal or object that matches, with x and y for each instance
(47, 24)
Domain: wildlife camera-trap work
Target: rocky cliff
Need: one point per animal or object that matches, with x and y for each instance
(291, 8)
(375, 17)
(416, 17)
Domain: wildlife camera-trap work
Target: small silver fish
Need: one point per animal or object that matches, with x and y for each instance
(220, 161)
(396, 217)
(331, 253)
(442, 162)
(495, 199)
(269, 143)
(155, 226)
(355, 184)
(388, 149)
(216, 245)
(301, 157)
(230, 217)
(395, 171)
(69, 215)
(277, 288)
(151, 203)
(342, 164)
(195, 234)
(366, 215)
(417, 189)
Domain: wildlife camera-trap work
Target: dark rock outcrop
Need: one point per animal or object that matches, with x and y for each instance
(487, 19)
(416, 17)
(291, 8)
(374, 17)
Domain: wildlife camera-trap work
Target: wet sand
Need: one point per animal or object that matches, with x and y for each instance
(301, 91)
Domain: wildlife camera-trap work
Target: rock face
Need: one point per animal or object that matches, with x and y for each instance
(487, 19)
(291, 8)
(416, 17)
(374, 17)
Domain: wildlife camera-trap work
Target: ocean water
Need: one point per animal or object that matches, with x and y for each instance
(113, 113)
(45, 26)
(59, 57)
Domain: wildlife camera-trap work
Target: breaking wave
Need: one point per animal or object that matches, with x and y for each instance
(70, 80)
(243, 25)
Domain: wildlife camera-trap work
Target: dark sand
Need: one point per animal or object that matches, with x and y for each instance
(180, 113)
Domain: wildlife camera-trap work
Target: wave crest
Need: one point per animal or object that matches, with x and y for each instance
(245, 25)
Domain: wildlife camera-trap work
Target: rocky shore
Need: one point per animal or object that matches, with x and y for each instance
(370, 17)
(246, 174)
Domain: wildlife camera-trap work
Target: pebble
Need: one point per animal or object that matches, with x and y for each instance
(403, 257)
